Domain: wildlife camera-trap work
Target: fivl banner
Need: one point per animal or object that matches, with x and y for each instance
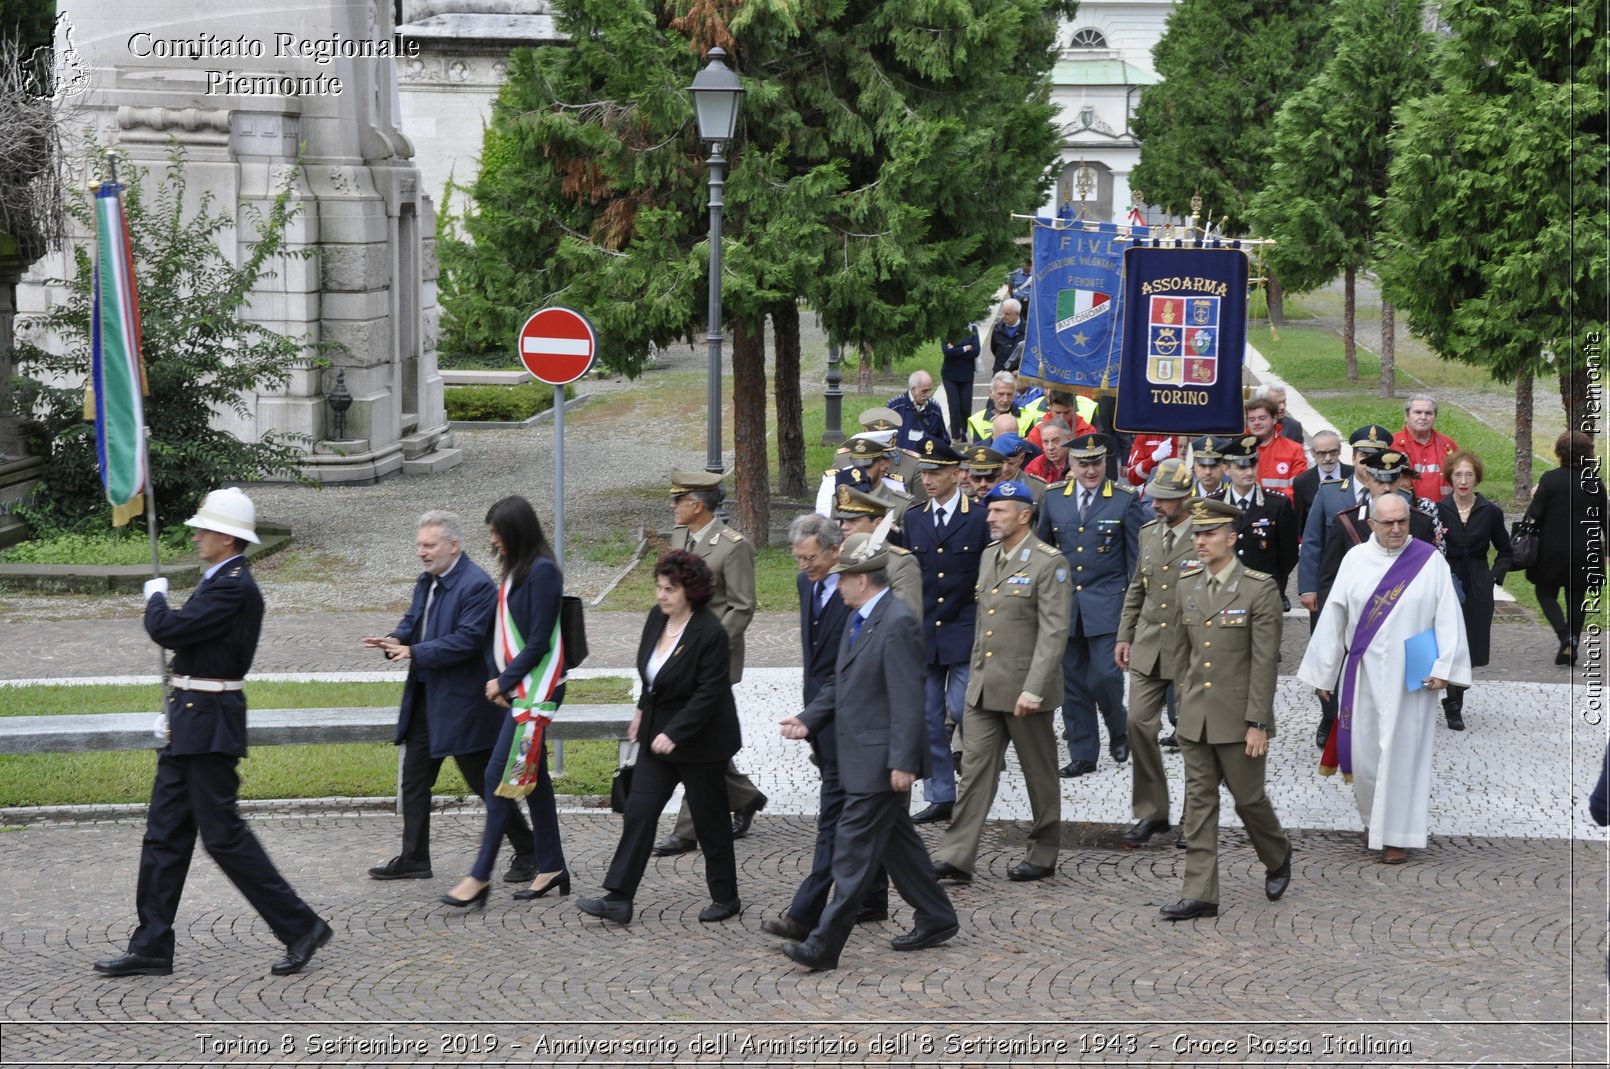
(1074, 314)
(1184, 339)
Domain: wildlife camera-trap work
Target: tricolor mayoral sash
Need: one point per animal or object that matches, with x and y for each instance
(533, 705)
(1339, 747)
(1184, 340)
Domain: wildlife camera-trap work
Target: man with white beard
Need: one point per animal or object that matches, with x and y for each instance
(1391, 588)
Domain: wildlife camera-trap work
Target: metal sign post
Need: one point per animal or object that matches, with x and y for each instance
(558, 346)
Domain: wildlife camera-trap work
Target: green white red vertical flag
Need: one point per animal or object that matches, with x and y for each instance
(119, 370)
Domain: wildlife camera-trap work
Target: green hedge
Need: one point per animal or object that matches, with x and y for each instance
(126, 545)
(500, 404)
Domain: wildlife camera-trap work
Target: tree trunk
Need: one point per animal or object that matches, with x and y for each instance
(790, 407)
(863, 377)
(1389, 357)
(1575, 388)
(752, 510)
(1275, 297)
(1523, 433)
(1350, 322)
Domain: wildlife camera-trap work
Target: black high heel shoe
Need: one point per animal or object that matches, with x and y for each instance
(475, 901)
(561, 881)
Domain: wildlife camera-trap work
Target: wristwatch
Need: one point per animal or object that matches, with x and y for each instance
(1261, 726)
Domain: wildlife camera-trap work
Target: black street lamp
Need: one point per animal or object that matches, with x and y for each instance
(715, 91)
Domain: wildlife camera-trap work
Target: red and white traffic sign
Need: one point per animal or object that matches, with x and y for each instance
(557, 345)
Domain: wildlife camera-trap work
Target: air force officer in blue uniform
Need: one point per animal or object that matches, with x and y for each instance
(1096, 524)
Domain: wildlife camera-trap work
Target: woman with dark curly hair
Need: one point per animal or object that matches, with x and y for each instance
(1473, 529)
(1568, 506)
(529, 656)
(687, 714)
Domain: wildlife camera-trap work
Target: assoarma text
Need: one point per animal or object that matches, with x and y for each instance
(321, 50)
(1191, 284)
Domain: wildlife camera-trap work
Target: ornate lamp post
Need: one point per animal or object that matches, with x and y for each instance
(715, 92)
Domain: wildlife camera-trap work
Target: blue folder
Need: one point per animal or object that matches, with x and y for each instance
(1419, 657)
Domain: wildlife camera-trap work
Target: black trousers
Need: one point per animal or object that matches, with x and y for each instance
(419, 772)
(1327, 706)
(959, 400)
(811, 898)
(196, 794)
(653, 781)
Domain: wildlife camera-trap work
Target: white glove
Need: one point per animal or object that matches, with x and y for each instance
(1164, 449)
(155, 586)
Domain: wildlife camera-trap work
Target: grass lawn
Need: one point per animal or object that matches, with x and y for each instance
(361, 770)
(774, 581)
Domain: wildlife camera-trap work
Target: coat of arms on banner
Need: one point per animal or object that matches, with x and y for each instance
(1077, 307)
(1183, 341)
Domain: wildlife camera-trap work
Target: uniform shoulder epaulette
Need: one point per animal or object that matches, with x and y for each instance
(1149, 523)
(1057, 485)
(1050, 551)
(830, 472)
(1186, 573)
(1262, 577)
(899, 551)
(734, 535)
(234, 572)
(1125, 487)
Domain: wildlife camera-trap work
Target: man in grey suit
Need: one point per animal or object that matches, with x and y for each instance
(874, 707)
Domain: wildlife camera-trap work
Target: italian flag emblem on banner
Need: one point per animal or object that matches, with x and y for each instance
(118, 381)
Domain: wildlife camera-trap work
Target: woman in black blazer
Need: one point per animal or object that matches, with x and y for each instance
(1473, 528)
(1568, 505)
(687, 713)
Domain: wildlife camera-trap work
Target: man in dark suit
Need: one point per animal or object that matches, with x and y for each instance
(816, 541)
(1328, 468)
(214, 637)
(873, 707)
(446, 639)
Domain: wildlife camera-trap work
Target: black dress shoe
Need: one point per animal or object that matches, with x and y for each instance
(475, 901)
(1024, 871)
(672, 845)
(399, 869)
(944, 870)
(1321, 735)
(1075, 769)
(134, 965)
(1143, 830)
(299, 953)
(1189, 909)
(619, 911)
(1120, 749)
(522, 869)
(813, 958)
(1566, 655)
(561, 881)
(785, 927)
(1456, 722)
(720, 911)
(923, 938)
(935, 812)
(1171, 741)
(1277, 880)
(1179, 840)
(872, 913)
(742, 818)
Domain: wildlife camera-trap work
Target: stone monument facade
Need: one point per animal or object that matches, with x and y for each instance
(255, 96)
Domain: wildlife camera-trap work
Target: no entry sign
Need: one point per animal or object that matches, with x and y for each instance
(557, 345)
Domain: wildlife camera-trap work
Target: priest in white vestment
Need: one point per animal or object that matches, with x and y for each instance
(1389, 588)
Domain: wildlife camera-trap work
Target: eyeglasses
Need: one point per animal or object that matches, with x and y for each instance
(982, 478)
(1391, 523)
(806, 562)
(1327, 452)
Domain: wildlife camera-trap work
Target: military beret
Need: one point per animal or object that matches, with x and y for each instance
(1010, 445)
(935, 453)
(859, 554)
(1209, 512)
(1208, 449)
(983, 459)
(880, 419)
(685, 482)
(1374, 437)
(1089, 447)
(1171, 481)
(1011, 490)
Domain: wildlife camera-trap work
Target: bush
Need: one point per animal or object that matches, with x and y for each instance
(500, 404)
(125, 545)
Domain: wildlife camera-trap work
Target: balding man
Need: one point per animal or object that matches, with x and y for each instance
(920, 417)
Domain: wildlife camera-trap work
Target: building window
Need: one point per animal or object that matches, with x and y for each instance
(1087, 38)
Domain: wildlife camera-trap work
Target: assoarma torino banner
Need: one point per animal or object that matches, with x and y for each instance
(1184, 339)
(1075, 302)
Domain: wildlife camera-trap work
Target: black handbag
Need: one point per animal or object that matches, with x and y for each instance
(1523, 542)
(620, 787)
(572, 631)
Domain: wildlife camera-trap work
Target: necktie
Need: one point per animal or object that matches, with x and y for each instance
(1168, 543)
(816, 598)
(424, 622)
(855, 626)
(939, 518)
(1084, 503)
(1363, 497)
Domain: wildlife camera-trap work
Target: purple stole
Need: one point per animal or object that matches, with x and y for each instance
(1339, 747)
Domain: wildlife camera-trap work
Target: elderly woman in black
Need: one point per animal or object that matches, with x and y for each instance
(1473, 528)
(1568, 506)
(690, 721)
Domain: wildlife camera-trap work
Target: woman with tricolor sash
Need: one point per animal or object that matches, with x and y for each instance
(529, 656)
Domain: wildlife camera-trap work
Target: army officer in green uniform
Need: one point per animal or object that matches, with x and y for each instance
(1232, 619)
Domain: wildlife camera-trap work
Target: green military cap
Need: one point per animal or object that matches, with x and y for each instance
(1089, 447)
(1209, 512)
(861, 554)
(685, 482)
(1208, 449)
(863, 450)
(880, 419)
(850, 503)
(983, 459)
(1172, 480)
